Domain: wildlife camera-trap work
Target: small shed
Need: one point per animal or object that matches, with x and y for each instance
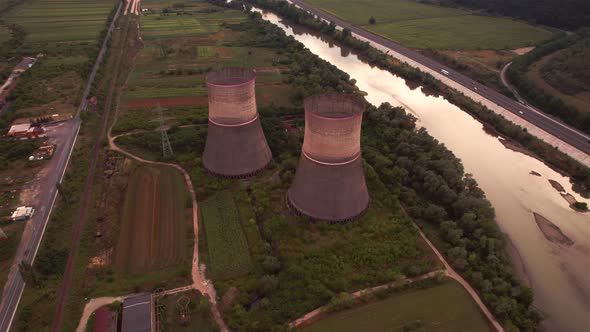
(22, 213)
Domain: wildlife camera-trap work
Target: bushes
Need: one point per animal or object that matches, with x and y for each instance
(434, 189)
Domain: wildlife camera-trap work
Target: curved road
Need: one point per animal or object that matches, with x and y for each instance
(553, 126)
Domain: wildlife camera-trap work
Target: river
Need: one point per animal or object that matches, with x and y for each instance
(559, 274)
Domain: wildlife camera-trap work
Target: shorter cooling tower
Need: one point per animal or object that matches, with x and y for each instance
(330, 183)
(236, 146)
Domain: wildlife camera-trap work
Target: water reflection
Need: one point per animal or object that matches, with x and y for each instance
(559, 274)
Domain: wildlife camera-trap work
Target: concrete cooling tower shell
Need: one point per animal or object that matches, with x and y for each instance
(330, 183)
(236, 146)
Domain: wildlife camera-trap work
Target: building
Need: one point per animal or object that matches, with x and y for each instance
(236, 146)
(25, 130)
(25, 64)
(137, 313)
(22, 213)
(330, 183)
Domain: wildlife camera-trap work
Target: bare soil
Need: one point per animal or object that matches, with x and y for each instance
(167, 102)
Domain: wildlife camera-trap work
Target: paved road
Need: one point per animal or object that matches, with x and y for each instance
(36, 226)
(532, 115)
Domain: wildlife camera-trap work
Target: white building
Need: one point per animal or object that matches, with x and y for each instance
(22, 213)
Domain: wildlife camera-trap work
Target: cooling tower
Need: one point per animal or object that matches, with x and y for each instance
(330, 183)
(236, 146)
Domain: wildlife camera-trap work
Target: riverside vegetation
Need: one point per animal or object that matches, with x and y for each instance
(298, 265)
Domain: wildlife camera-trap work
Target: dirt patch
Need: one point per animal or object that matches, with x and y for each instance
(534, 173)
(523, 50)
(229, 298)
(557, 186)
(551, 231)
(167, 102)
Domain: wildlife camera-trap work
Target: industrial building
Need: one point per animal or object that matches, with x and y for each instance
(137, 313)
(236, 146)
(330, 183)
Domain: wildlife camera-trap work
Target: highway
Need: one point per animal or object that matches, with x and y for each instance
(534, 116)
(36, 226)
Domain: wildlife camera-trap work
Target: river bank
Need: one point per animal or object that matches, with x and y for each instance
(502, 173)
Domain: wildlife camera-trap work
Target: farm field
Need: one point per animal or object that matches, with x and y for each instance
(154, 220)
(51, 22)
(422, 310)
(4, 34)
(182, 46)
(229, 255)
(426, 26)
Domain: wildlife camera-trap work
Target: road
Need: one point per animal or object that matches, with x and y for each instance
(36, 226)
(552, 126)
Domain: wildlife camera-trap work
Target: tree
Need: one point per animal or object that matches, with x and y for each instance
(372, 20)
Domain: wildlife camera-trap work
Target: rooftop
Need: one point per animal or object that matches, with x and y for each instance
(137, 312)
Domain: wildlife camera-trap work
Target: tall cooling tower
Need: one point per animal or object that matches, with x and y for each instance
(330, 183)
(236, 146)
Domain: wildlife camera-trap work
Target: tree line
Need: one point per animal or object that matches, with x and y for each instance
(563, 14)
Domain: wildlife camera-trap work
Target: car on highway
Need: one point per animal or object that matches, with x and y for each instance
(444, 72)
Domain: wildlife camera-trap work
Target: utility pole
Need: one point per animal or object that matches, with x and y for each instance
(166, 147)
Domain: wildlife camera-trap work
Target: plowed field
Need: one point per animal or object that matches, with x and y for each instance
(154, 220)
(166, 102)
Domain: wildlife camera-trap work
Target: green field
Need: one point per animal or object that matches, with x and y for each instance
(154, 220)
(57, 21)
(180, 47)
(229, 255)
(444, 307)
(426, 26)
(196, 306)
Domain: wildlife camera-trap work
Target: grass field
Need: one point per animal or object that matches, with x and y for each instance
(154, 220)
(429, 309)
(426, 26)
(196, 306)
(565, 74)
(8, 247)
(229, 255)
(4, 34)
(57, 21)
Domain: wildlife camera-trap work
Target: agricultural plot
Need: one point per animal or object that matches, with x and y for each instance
(412, 310)
(58, 21)
(229, 255)
(426, 26)
(154, 220)
(181, 46)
